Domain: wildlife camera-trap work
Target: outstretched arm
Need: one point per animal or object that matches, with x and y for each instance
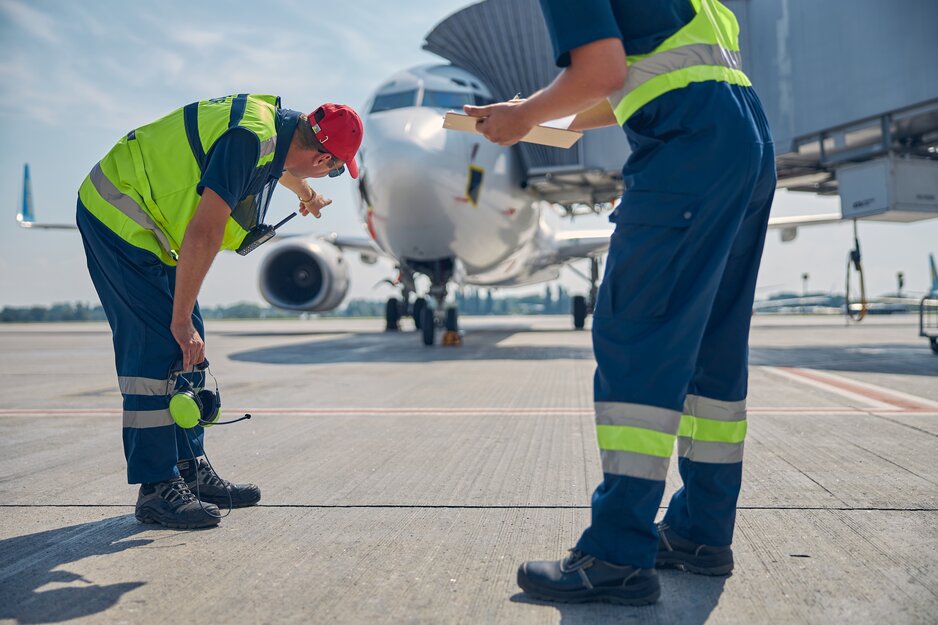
(596, 70)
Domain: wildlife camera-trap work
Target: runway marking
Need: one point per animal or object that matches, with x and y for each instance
(875, 397)
(110, 412)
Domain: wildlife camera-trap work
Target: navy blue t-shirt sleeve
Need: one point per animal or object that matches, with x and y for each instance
(230, 165)
(575, 24)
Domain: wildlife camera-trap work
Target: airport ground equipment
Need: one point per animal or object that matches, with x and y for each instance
(928, 320)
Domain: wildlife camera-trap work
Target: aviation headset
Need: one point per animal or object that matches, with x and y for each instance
(192, 404)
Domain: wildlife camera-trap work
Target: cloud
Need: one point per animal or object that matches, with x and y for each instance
(198, 39)
(31, 21)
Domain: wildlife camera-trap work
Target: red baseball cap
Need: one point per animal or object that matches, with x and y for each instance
(339, 129)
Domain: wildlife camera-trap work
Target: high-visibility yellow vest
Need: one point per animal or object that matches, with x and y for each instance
(144, 189)
(706, 48)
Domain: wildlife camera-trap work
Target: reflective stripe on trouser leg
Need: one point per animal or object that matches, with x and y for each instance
(135, 289)
(712, 430)
(710, 449)
(636, 442)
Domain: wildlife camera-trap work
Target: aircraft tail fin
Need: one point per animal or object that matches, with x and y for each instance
(26, 216)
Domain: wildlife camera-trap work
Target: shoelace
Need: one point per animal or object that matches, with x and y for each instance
(207, 476)
(176, 490)
(575, 557)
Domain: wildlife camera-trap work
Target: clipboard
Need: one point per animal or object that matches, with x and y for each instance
(542, 135)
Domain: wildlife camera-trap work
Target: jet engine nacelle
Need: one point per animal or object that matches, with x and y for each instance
(304, 275)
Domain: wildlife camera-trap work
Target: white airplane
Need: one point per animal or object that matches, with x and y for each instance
(447, 205)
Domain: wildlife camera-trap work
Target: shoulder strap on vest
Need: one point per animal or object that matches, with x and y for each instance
(190, 115)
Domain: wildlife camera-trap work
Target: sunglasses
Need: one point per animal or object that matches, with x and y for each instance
(335, 172)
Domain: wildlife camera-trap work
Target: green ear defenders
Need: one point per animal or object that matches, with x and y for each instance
(191, 404)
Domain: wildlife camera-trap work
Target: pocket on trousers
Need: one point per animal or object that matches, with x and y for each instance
(646, 254)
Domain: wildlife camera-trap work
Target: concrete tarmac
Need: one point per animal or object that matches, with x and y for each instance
(404, 484)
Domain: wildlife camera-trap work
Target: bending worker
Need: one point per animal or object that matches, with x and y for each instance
(153, 213)
(671, 325)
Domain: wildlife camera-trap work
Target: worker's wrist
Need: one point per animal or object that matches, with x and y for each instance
(309, 196)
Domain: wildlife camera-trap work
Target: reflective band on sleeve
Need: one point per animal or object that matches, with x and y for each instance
(141, 419)
(128, 206)
(635, 465)
(706, 451)
(268, 147)
(144, 386)
(637, 440)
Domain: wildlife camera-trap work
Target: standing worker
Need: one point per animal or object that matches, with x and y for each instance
(153, 214)
(671, 325)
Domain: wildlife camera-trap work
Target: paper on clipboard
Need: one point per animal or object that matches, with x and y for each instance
(553, 133)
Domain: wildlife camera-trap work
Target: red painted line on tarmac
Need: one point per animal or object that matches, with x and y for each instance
(868, 391)
(12, 412)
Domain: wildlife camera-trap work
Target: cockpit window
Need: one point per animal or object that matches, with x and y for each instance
(452, 99)
(388, 101)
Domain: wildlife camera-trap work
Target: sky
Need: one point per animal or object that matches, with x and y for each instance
(76, 76)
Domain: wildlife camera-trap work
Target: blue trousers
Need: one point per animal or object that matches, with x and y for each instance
(671, 325)
(136, 292)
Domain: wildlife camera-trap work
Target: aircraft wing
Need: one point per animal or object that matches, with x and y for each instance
(367, 249)
(577, 244)
(789, 225)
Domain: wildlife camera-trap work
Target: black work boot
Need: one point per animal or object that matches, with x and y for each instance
(172, 504)
(581, 578)
(676, 552)
(213, 489)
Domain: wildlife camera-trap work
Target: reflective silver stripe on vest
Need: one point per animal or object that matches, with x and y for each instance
(267, 147)
(660, 63)
(706, 451)
(638, 415)
(144, 386)
(715, 409)
(141, 419)
(126, 204)
(634, 465)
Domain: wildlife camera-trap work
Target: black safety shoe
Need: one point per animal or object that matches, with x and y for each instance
(213, 489)
(581, 578)
(675, 552)
(172, 504)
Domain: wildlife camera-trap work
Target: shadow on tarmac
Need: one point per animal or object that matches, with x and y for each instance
(406, 347)
(27, 563)
(901, 359)
(686, 599)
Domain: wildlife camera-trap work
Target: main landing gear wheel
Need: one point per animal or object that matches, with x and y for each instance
(579, 312)
(427, 325)
(420, 305)
(452, 338)
(392, 315)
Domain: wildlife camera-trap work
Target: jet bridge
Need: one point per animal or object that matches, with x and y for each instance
(505, 43)
(850, 88)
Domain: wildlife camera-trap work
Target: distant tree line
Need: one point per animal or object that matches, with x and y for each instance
(553, 301)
